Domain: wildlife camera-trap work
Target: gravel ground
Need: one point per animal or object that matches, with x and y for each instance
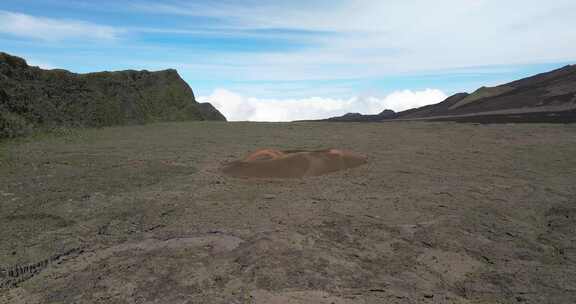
(442, 213)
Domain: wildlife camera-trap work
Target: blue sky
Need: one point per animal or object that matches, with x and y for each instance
(284, 60)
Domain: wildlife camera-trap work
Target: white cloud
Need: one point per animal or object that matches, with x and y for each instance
(368, 38)
(42, 65)
(47, 29)
(237, 107)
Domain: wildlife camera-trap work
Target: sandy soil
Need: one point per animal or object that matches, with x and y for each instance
(441, 213)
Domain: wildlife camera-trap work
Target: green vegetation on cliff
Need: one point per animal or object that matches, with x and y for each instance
(32, 98)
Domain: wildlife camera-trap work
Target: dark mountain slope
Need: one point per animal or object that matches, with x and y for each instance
(433, 110)
(209, 112)
(553, 91)
(34, 98)
(548, 97)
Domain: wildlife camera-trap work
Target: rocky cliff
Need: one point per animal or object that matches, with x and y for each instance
(31, 98)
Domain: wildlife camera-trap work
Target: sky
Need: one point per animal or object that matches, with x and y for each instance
(301, 59)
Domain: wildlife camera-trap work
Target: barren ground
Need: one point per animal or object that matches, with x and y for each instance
(442, 213)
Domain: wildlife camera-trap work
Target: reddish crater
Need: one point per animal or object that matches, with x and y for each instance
(270, 163)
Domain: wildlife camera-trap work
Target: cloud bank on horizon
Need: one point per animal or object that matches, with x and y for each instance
(289, 59)
(237, 107)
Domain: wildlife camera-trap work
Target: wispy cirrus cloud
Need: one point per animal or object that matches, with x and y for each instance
(48, 29)
(398, 36)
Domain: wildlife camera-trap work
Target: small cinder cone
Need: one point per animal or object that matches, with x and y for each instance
(270, 163)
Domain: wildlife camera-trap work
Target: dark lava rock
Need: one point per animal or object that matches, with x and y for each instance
(31, 98)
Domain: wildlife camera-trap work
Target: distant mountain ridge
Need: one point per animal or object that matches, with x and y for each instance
(547, 92)
(357, 117)
(546, 97)
(32, 98)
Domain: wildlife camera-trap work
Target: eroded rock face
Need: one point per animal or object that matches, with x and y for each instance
(270, 163)
(47, 98)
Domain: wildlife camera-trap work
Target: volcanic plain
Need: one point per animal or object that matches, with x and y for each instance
(440, 213)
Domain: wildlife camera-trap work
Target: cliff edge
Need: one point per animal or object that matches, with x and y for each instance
(32, 98)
